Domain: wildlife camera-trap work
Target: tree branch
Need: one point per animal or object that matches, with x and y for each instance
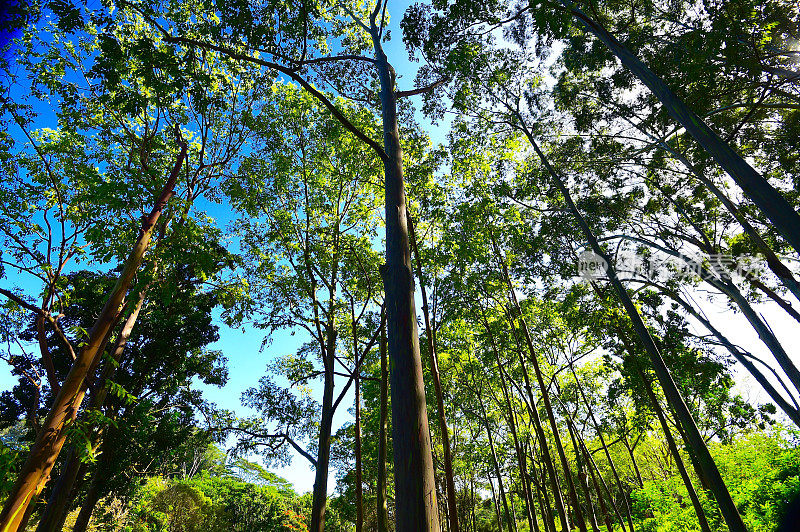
(263, 436)
(335, 111)
(423, 90)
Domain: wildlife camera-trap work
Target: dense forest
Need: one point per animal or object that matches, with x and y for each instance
(514, 266)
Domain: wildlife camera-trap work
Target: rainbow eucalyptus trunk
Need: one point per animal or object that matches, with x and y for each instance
(415, 487)
(53, 433)
(52, 519)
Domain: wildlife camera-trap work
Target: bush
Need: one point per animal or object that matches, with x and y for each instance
(210, 504)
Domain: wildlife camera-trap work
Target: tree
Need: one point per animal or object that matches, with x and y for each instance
(85, 201)
(306, 234)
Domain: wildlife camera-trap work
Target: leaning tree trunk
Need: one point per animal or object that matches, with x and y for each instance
(521, 461)
(52, 519)
(533, 521)
(581, 474)
(596, 485)
(611, 464)
(53, 433)
(602, 482)
(415, 487)
(537, 423)
(773, 261)
(88, 506)
(548, 407)
(673, 448)
(720, 490)
(496, 463)
(743, 357)
(496, 504)
(724, 284)
(755, 186)
(546, 456)
(541, 497)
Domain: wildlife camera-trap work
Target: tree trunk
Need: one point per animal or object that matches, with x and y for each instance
(547, 457)
(605, 487)
(437, 386)
(96, 488)
(357, 427)
(541, 493)
(673, 448)
(496, 505)
(530, 513)
(574, 503)
(611, 464)
(743, 357)
(52, 435)
(521, 460)
(763, 330)
(727, 287)
(727, 507)
(692, 458)
(52, 519)
(770, 201)
(495, 461)
(628, 448)
(88, 506)
(581, 473)
(603, 508)
(383, 510)
(320, 496)
(359, 480)
(415, 488)
(773, 261)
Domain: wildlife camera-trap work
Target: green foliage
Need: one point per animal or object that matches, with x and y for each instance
(761, 470)
(214, 504)
(13, 450)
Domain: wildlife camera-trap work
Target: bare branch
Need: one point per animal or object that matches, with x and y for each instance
(423, 90)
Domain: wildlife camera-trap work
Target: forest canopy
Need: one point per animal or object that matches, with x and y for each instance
(477, 266)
